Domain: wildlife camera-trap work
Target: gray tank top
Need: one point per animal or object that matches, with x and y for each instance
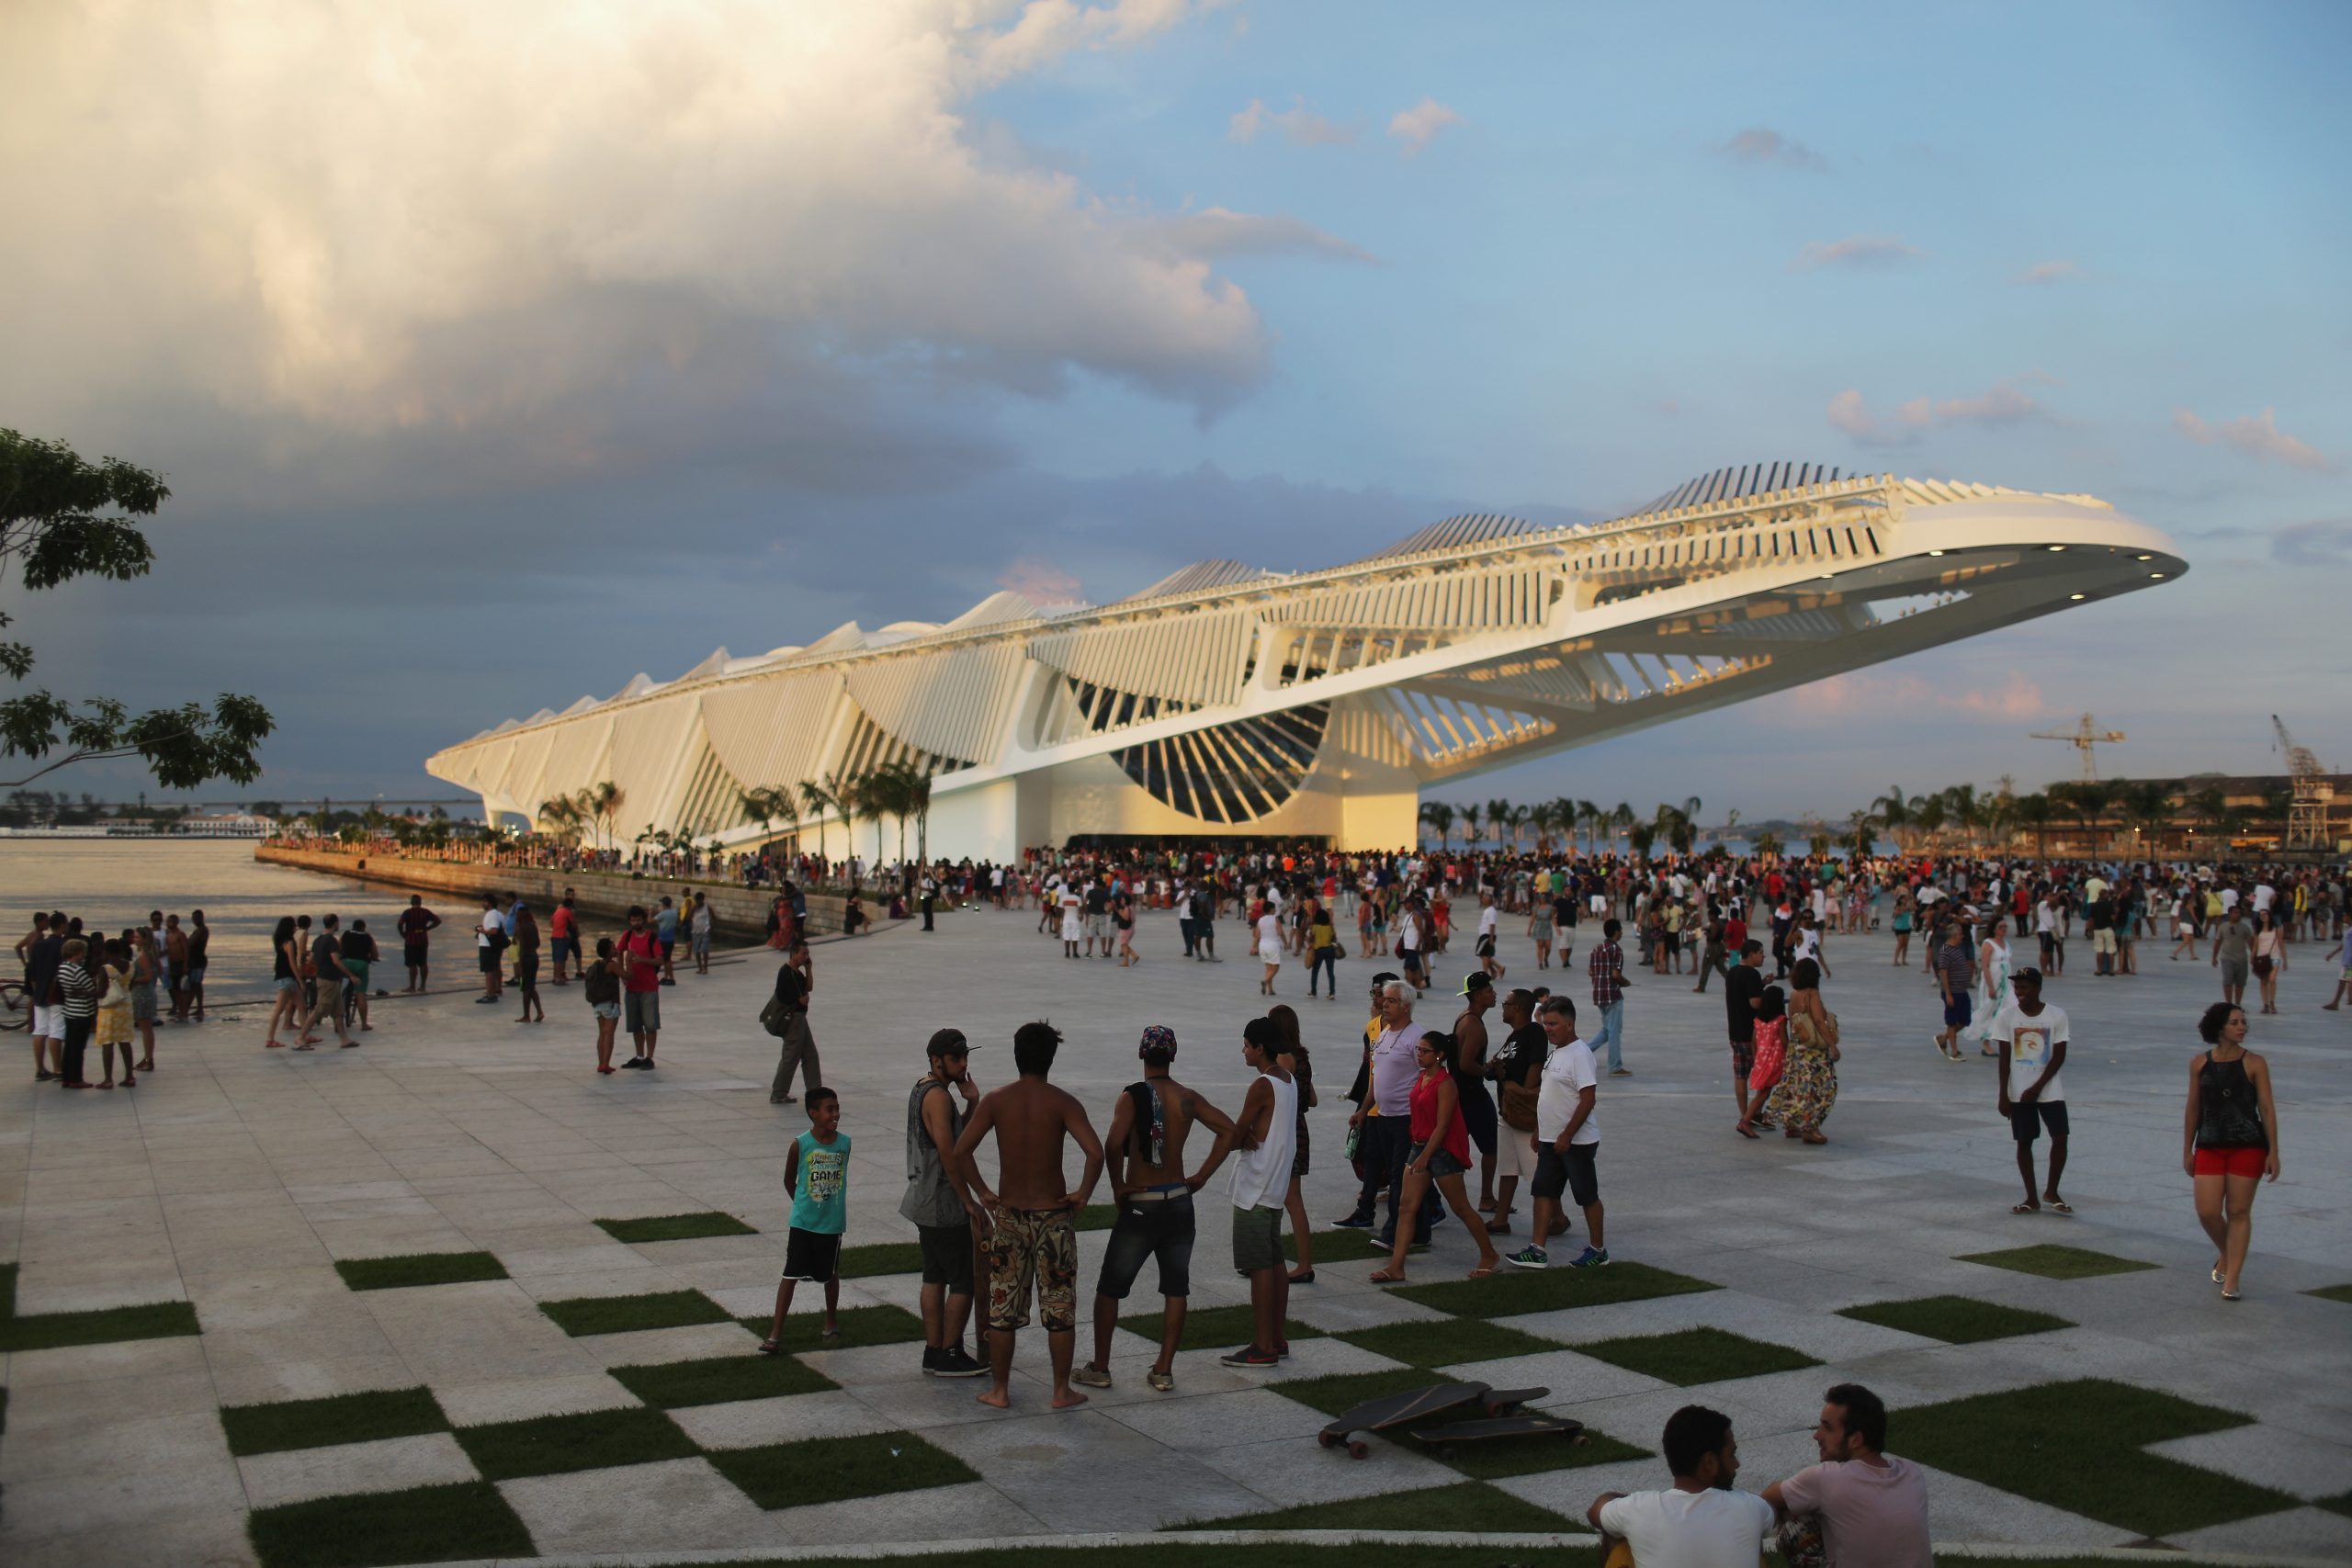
(930, 1198)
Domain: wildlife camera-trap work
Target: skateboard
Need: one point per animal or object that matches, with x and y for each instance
(1442, 1439)
(1376, 1416)
(1498, 1401)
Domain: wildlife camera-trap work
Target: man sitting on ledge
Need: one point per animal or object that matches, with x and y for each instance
(1699, 1522)
(1859, 1507)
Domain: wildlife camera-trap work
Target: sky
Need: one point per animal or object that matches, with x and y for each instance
(496, 354)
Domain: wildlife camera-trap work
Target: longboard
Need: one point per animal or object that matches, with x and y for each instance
(1443, 1439)
(1505, 1401)
(1376, 1416)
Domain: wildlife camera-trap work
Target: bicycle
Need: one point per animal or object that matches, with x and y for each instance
(16, 1007)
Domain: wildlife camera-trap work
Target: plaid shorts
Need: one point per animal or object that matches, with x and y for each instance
(1743, 1058)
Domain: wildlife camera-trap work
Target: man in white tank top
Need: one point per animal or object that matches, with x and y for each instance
(1268, 1136)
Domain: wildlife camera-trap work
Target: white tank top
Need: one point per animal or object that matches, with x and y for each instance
(1262, 1175)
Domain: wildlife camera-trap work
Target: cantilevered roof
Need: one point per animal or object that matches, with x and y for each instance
(1201, 576)
(1752, 479)
(1469, 528)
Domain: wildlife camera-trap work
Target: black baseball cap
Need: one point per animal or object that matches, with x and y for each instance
(1477, 980)
(1384, 976)
(949, 1043)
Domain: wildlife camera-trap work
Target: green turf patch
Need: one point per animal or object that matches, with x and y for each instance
(828, 1469)
(1211, 1328)
(1467, 1506)
(325, 1423)
(1694, 1356)
(7, 1289)
(1443, 1344)
(1515, 1292)
(620, 1314)
(557, 1444)
(1097, 1217)
(422, 1524)
(2053, 1262)
(55, 1330)
(676, 1228)
(1342, 1391)
(1955, 1320)
(419, 1268)
(2341, 1503)
(860, 1326)
(1347, 1246)
(881, 1258)
(2333, 1293)
(2080, 1445)
(720, 1380)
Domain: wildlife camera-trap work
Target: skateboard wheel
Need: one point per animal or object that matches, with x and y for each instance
(1359, 1450)
(1325, 1440)
(1580, 1440)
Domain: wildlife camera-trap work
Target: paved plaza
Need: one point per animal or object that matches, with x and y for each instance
(234, 1181)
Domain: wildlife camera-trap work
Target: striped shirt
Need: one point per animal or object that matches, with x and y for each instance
(78, 992)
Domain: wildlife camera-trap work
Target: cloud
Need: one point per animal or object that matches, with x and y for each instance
(1297, 124)
(2314, 544)
(1866, 692)
(1040, 583)
(1416, 127)
(1870, 251)
(1213, 233)
(527, 228)
(2050, 271)
(2258, 437)
(2002, 404)
(1761, 144)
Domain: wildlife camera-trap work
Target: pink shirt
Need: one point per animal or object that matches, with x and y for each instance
(1871, 1516)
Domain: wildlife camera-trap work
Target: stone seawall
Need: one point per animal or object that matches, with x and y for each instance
(739, 914)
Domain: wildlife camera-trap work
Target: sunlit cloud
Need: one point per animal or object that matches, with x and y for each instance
(1213, 233)
(1299, 125)
(1416, 127)
(1761, 144)
(1865, 694)
(2002, 404)
(1040, 583)
(2050, 271)
(1856, 251)
(2258, 437)
(2314, 544)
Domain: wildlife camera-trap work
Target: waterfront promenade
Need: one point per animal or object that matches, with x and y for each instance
(235, 1182)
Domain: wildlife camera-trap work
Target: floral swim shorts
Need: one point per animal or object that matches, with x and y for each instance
(1032, 1248)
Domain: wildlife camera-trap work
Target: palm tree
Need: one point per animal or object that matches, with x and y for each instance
(1564, 823)
(1766, 844)
(2148, 805)
(1929, 813)
(1517, 817)
(1894, 809)
(1641, 835)
(1731, 822)
(1498, 818)
(1861, 833)
(1471, 812)
(561, 819)
(2034, 813)
(2210, 806)
(818, 801)
(768, 805)
(916, 782)
(1590, 814)
(1965, 810)
(601, 803)
(1672, 823)
(2087, 801)
(1437, 814)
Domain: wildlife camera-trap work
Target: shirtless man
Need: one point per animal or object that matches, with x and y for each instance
(1145, 1161)
(1470, 1076)
(1026, 1223)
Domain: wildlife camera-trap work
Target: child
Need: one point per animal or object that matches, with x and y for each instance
(816, 1174)
(601, 981)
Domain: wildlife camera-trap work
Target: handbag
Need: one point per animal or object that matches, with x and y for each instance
(1518, 1109)
(1771, 1053)
(775, 1017)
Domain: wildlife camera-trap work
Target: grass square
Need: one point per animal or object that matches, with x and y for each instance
(620, 1314)
(720, 1380)
(1694, 1356)
(1097, 1217)
(556, 1445)
(826, 1469)
(1211, 1328)
(860, 1326)
(1515, 1292)
(55, 1330)
(881, 1258)
(1343, 1246)
(2333, 1293)
(2078, 1446)
(1466, 1506)
(1443, 1344)
(419, 1268)
(1490, 1459)
(676, 1228)
(2341, 1503)
(1955, 1320)
(2052, 1261)
(325, 1423)
(7, 1289)
(422, 1524)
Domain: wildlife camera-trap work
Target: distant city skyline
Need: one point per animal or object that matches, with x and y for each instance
(730, 323)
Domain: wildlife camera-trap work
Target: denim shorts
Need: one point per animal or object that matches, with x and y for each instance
(607, 1009)
(1441, 1162)
(1159, 1228)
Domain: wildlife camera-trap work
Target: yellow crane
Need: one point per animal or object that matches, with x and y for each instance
(2083, 738)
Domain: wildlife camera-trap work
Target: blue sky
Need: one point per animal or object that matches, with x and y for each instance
(487, 378)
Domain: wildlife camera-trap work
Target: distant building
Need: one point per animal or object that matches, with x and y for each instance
(2252, 818)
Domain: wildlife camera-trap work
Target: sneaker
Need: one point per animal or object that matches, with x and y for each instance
(930, 1361)
(1088, 1377)
(957, 1362)
(634, 1061)
(1621, 1072)
(1353, 1223)
(1250, 1356)
(1529, 1258)
(1592, 1258)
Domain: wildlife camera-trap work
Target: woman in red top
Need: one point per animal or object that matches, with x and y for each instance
(1440, 1153)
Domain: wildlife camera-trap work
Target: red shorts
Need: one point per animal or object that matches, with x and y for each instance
(2232, 1162)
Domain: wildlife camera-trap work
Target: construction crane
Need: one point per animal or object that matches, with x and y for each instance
(2084, 736)
(2307, 812)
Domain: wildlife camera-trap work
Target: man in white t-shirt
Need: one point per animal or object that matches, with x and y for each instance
(1866, 1508)
(1699, 1522)
(1568, 1139)
(1487, 921)
(2031, 1036)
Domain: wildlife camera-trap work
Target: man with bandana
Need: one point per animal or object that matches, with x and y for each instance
(1144, 1157)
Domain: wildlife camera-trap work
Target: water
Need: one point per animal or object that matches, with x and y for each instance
(112, 884)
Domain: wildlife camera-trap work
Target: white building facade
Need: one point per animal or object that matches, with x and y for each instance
(1226, 702)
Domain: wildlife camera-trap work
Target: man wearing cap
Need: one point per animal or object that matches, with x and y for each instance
(1360, 1095)
(935, 1119)
(1143, 1157)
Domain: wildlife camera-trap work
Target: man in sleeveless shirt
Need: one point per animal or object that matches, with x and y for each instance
(1268, 1133)
(1144, 1158)
(935, 1119)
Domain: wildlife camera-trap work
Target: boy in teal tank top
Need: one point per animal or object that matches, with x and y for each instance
(816, 1176)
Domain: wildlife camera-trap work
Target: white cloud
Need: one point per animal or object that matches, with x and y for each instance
(363, 220)
(2258, 437)
(1761, 144)
(1417, 126)
(2050, 271)
(1854, 251)
(2002, 404)
(1297, 124)
(1214, 233)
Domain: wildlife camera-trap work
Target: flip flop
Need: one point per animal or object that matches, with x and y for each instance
(2026, 1208)
(1384, 1276)
(769, 1348)
(2058, 1208)
(1479, 1273)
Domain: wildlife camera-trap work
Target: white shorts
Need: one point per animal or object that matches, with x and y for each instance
(1514, 1153)
(1271, 956)
(49, 1023)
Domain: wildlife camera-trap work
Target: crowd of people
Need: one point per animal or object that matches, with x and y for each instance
(84, 988)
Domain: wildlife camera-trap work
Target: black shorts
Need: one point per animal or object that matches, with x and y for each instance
(488, 957)
(1573, 1173)
(1486, 947)
(811, 1256)
(947, 1256)
(2025, 1121)
(1161, 1228)
(413, 954)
